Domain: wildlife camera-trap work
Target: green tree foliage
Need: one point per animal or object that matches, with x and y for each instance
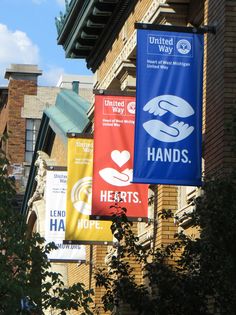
(201, 278)
(27, 284)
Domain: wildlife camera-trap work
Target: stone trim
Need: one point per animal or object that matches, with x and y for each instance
(155, 13)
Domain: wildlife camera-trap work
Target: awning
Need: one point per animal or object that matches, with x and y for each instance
(69, 113)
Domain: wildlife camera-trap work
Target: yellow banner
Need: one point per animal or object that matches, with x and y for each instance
(79, 196)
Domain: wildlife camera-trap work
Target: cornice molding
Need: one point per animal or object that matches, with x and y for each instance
(157, 11)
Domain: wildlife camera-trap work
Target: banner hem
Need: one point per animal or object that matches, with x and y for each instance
(167, 182)
(67, 260)
(77, 242)
(109, 218)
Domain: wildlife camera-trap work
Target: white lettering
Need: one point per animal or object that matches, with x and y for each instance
(122, 196)
(165, 45)
(89, 224)
(167, 155)
(165, 49)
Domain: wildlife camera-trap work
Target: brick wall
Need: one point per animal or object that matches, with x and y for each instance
(230, 85)
(59, 152)
(167, 200)
(16, 124)
(120, 42)
(79, 273)
(220, 86)
(84, 272)
(219, 105)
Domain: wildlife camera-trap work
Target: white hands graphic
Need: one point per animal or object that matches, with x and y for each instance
(162, 132)
(116, 178)
(160, 105)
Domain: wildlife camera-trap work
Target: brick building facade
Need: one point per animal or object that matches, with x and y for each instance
(115, 70)
(22, 81)
(20, 117)
(106, 37)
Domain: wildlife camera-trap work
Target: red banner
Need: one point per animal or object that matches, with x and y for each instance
(113, 160)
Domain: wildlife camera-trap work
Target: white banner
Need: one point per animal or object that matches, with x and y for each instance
(55, 217)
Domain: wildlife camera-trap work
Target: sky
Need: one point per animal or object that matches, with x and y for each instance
(28, 35)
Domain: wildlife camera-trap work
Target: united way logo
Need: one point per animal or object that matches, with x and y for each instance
(183, 46)
(176, 106)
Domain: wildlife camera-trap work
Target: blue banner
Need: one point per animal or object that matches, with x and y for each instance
(168, 125)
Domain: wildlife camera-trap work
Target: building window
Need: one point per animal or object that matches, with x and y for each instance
(32, 128)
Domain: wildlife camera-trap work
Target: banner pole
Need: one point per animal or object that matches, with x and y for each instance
(112, 92)
(174, 28)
